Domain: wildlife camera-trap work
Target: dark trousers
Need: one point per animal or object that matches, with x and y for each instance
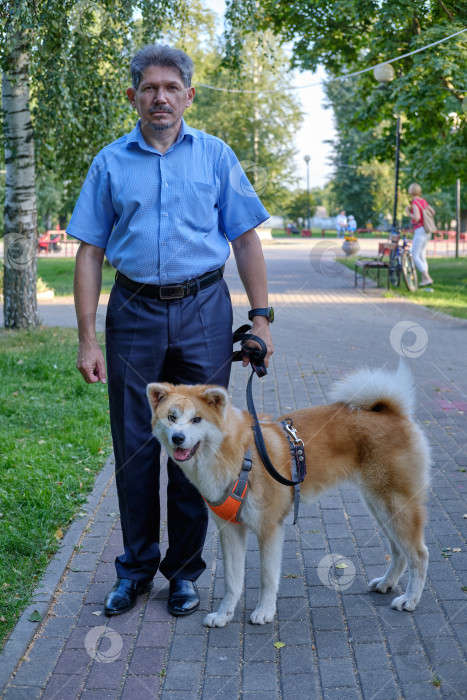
(187, 341)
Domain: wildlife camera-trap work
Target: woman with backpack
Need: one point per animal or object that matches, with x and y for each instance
(421, 214)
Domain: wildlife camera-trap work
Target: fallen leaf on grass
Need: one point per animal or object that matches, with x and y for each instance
(58, 534)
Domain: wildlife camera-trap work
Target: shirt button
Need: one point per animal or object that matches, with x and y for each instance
(164, 244)
(166, 184)
(163, 275)
(164, 213)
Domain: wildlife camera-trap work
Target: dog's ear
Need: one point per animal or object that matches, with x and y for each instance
(217, 397)
(155, 393)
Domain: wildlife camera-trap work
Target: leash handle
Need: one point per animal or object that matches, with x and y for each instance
(254, 354)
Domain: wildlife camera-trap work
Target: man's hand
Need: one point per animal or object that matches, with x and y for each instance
(87, 286)
(90, 362)
(261, 329)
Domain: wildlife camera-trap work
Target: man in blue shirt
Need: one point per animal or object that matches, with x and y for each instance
(162, 202)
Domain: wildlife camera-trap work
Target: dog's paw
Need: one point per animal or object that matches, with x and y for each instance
(261, 616)
(403, 603)
(216, 619)
(378, 586)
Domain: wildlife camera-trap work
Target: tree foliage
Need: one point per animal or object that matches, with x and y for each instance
(79, 71)
(350, 35)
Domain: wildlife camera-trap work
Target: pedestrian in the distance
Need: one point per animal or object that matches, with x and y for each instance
(421, 215)
(162, 203)
(351, 224)
(341, 224)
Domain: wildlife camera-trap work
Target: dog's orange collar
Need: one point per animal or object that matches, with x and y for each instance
(230, 507)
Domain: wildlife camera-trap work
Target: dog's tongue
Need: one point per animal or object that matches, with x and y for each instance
(181, 454)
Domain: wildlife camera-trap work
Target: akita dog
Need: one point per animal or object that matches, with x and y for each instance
(367, 437)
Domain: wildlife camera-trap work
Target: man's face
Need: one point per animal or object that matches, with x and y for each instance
(161, 98)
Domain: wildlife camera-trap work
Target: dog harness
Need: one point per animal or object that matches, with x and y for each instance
(230, 507)
(297, 449)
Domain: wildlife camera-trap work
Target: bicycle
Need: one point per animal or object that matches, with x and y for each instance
(401, 263)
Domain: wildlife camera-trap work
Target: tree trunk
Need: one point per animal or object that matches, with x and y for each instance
(20, 226)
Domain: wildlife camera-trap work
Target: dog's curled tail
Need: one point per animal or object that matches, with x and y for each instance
(376, 390)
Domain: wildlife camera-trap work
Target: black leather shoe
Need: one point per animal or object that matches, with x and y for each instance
(183, 597)
(123, 595)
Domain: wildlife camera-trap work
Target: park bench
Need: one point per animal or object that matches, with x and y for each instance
(375, 263)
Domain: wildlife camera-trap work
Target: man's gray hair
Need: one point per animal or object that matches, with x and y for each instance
(161, 55)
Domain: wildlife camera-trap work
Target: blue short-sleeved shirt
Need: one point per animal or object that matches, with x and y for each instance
(166, 218)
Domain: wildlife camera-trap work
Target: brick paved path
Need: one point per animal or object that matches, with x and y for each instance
(340, 641)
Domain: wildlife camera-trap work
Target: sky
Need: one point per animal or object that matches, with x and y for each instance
(317, 125)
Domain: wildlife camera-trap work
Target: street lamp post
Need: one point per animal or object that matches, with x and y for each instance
(307, 161)
(384, 74)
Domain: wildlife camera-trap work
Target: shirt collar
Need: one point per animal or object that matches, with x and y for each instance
(136, 136)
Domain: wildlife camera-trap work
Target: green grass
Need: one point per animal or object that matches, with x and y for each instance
(55, 438)
(57, 273)
(450, 286)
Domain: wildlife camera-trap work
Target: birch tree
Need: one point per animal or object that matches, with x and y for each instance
(20, 233)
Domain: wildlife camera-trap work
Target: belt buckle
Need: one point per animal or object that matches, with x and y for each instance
(172, 291)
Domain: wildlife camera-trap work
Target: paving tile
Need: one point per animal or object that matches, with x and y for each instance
(182, 675)
(141, 688)
(302, 686)
(331, 644)
(107, 676)
(62, 686)
(22, 693)
(370, 656)
(154, 634)
(222, 662)
(379, 685)
(337, 673)
(147, 661)
(221, 687)
(259, 677)
(73, 661)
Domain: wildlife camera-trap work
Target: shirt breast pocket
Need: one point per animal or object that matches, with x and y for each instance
(199, 207)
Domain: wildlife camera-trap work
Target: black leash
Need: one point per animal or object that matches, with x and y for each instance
(256, 357)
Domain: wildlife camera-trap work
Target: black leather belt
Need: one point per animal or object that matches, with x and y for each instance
(169, 292)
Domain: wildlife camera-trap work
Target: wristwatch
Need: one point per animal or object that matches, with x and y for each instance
(268, 312)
